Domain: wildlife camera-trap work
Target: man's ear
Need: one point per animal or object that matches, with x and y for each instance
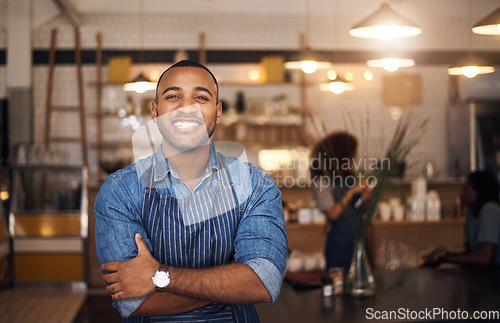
(219, 112)
(154, 111)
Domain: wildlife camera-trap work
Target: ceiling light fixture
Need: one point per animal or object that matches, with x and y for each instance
(385, 24)
(391, 64)
(338, 85)
(307, 60)
(490, 25)
(471, 65)
(141, 83)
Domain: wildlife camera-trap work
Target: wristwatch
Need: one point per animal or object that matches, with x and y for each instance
(161, 279)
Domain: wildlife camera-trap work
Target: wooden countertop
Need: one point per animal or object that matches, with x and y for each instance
(405, 292)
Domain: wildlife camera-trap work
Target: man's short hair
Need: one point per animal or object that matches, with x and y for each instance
(187, 63)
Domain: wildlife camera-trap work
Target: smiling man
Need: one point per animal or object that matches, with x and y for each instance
(188, 234)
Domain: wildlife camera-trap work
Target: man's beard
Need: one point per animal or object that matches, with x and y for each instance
(185, 141)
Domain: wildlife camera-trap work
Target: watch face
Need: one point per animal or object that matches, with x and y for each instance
(161, 279)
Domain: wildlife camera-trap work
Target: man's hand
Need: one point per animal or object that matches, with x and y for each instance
(132, 278)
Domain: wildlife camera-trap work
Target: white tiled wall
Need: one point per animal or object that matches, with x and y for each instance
(259, 32)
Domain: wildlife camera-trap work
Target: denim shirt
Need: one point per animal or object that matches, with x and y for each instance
(234, 214)
(484, 228)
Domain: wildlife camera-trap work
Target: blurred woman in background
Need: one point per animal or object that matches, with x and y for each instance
(480, 197)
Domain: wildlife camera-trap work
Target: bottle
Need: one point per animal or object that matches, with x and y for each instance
(327, 286)
(240, 102)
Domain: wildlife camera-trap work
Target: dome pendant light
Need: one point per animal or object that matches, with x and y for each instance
(338, 85)
(385, 24)
(471, 65)
(490, 25)
(141, 83)
(307, 60)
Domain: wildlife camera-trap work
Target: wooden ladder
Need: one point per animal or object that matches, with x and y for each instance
(48, 138)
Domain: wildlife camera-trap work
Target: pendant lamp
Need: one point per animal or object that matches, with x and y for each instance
(390, 64)
(385, 24)
(338, 85)
(141, 83)
(307, 60)
(471, 64)
(490, 25)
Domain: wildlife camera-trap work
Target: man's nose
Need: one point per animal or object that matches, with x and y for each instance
(189, 108)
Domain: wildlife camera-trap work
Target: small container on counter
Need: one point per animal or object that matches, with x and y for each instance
(337, 276)
(327, 286)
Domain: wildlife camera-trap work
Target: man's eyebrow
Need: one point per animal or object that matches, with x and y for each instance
(176, 88)
(172, 88)
(201, 88)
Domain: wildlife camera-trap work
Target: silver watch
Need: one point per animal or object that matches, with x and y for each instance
(161, 279)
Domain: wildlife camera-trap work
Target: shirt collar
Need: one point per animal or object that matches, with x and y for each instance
(162, 167)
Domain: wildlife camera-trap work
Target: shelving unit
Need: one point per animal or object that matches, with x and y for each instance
(48, 222)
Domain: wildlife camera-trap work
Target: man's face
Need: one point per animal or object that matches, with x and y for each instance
(187, 107)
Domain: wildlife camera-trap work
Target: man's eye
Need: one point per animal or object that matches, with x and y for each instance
(201, 97)
(172, 96)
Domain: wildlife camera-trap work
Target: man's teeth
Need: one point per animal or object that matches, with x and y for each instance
(185, 124)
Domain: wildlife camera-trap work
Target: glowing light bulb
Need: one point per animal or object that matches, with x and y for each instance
(390, 64)
(368, 75)
(4, 195)
(308, 67)
(386, 32)
(254, 75)
(337, 87)
(332, 75)
(470, 71)
(141, 87)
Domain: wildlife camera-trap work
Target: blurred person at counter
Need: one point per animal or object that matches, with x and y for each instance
(480, 198)
(188, 234)
(336, 187)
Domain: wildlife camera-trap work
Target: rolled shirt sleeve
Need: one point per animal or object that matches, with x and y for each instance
(261, 240)
(116, 225)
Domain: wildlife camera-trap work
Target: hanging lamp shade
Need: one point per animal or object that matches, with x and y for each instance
(390, 63)
(140, 84)
(385, 24)
(470, 66)
(489, 25)
(308, 61)
(338, 85)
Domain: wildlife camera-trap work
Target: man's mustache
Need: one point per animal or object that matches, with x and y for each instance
(193, 116)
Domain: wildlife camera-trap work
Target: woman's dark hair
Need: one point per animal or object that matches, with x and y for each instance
(486, 186)
(188, 63)
(334, 154)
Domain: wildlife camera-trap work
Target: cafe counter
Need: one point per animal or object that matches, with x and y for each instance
(417, 294)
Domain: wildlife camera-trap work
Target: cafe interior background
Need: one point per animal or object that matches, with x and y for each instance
(67, 119)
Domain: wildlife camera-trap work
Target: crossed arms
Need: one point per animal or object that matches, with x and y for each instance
(129, 266)
(189, 288)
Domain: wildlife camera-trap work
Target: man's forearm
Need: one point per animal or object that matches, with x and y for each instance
(234, 283)
(165, 303)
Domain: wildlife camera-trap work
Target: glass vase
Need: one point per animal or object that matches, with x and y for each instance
(360, 281)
